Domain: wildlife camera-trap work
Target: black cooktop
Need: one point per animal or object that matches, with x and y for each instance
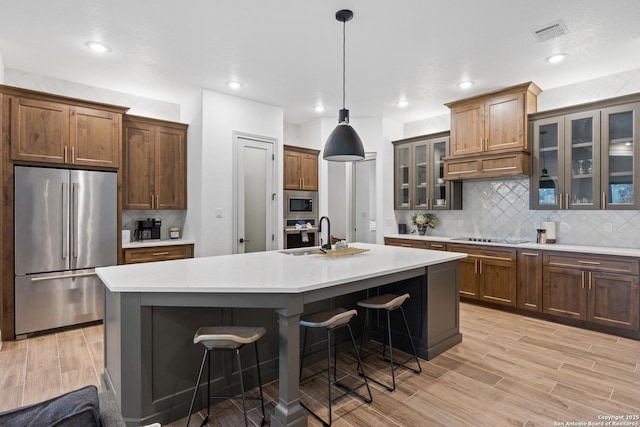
(511, 241)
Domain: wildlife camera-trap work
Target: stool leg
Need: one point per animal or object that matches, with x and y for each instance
(244, 403)
(353, 340)
(415, 353)
(195, 392)
(259, 383)
(393, 374)
(208, 385)
(329, 373)
(364, 329)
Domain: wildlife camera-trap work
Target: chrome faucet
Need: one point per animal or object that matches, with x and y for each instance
(327, 245)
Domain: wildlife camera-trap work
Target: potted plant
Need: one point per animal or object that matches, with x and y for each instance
(424, 221)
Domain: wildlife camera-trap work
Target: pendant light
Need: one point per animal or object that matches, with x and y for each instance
(546, 182)
(344, 144)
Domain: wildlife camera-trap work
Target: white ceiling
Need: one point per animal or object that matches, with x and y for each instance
(288, 53)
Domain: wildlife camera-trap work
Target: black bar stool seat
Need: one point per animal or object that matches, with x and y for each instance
(331, 321)
(227, 338)
(389, 302)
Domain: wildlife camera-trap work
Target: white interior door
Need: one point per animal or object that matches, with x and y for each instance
(255, 201)
(364, 200)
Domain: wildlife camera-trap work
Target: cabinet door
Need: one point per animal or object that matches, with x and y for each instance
(529, 280)
(582, 164)
(504, 123)
(170, 168)
(39, 131)
(613, 300)
(309, 172)
(467, 129)
(620, 152)
(139, 165)
(292, 163)
(547, 180)
(469, 277)
(498, 281)
(563, 292)
(420, 187)
(94, 137)
(402, 161)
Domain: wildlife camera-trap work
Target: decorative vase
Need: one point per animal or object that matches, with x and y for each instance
(422, 230)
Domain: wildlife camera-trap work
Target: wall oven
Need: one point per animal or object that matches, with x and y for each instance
(300, 219)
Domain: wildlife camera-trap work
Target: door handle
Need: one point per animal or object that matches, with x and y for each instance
(74, 222)
(65, 221)
(243, 241)
(68, 276)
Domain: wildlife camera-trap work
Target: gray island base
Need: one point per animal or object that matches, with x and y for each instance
(153, 310)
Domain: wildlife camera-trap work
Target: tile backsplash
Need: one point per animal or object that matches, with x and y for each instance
(169, 219)
(500, 209)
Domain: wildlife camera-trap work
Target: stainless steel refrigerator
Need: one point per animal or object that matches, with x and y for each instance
(65, 226)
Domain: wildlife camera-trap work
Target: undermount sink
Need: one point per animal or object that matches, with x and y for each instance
(300, 251)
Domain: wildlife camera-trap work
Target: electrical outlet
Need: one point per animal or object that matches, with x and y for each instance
(218, 212)
(608, 227)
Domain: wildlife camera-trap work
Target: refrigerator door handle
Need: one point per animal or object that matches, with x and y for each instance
(74, 219)
(65, 221)
(68, 276)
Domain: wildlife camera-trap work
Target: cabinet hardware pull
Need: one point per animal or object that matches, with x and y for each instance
(501, 169)
(436, 246)
(590, 279)
(588, 262)
(560, 200)
(406, 245)
(73, 154)
(151, 201)
(157, 201)
(65, 154)
(582, 273)
(68, 276)
(604, 200)
(480, 267)
(529, 254)
(566, 198)
(160, 253)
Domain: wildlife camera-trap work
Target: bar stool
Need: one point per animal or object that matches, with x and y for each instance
(331, 321)
(227, 338)
(389, 302)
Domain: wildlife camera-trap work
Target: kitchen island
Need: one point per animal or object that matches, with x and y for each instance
(152, 311)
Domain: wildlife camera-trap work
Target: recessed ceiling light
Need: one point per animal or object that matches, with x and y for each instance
(97, 46)
(465, 84)
(234, 85)
(558, 57)
(402, 103)
(318, 108)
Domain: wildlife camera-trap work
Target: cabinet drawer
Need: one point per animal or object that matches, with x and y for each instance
(157, 253)
(485, 252)
(613, 264)
(407, 243)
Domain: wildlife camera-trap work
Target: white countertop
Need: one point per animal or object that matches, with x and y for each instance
(156, 242)
(600, 250)
(267, 272)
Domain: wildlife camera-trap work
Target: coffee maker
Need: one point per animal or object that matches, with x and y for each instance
(147, 229)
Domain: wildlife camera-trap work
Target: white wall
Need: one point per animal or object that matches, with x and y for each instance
(221, 116)
(1, 79)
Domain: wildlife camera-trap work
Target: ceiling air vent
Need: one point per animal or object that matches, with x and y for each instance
(549, 31)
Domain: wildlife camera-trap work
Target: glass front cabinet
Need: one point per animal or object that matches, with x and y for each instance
(586, 159)
(419, 174)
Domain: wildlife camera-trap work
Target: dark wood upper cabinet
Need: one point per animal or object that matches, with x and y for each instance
(155, 164)
(584, 156)
(46, 131)
(489, 134)
(300, 168)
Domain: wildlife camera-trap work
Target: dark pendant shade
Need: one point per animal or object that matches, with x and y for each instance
(546, 181)
(343, 145)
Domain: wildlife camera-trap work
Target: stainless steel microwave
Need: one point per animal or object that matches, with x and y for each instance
(300, 204)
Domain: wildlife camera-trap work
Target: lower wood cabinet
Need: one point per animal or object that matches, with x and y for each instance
(488, 273)
(157, 253)
(529, 280)
(592, 288)
(597, 289)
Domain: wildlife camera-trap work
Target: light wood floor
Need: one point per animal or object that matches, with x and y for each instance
(509, 370)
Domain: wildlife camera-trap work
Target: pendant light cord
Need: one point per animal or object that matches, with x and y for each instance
(344, 56)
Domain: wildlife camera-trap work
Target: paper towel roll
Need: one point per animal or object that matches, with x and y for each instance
(550, 226)
(305, 236)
